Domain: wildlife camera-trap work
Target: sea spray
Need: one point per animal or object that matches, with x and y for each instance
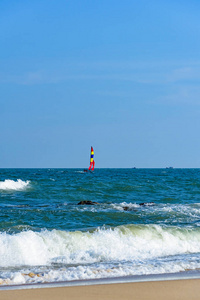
(104, 252)
(9, 185)
(123, 243)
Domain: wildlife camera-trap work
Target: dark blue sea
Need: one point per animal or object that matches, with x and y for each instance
(141, 221)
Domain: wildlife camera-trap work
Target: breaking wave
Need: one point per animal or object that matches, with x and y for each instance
(127, 243)
(11, 185)
(105, 252)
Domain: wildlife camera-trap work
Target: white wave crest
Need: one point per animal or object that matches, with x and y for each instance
(127, 243)
(120, 251)
(18, 185)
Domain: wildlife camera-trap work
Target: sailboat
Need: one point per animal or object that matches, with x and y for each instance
(92, 162)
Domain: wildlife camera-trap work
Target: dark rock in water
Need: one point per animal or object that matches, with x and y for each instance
(125, 208)
(146, 203)
(87, 202)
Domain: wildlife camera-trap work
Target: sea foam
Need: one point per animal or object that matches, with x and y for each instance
(123, 243)
(105, 252)
(18, 185)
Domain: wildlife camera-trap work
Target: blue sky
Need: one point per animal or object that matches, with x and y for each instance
(122, 76)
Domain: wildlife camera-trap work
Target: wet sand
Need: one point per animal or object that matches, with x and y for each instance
(183, 289)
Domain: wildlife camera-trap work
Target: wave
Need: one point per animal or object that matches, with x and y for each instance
(49, 256)
(9, 185)
(123, 243)
(121, 206)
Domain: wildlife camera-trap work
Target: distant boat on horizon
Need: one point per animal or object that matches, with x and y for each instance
(92, 162)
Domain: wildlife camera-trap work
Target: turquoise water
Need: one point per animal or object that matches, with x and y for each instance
(45, 231)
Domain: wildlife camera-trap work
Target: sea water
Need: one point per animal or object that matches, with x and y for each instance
(45, 236)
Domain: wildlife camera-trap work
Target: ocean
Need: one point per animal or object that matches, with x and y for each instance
(144, 221)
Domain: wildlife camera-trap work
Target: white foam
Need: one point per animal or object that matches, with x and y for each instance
(120, 206)
(121, 251)
(121, 243)
(191, 211)
(18, 185)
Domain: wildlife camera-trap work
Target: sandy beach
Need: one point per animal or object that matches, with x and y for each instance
(165, 289)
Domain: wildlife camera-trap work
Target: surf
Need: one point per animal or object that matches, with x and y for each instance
(11, 185)
(122, 243)
(56, 255)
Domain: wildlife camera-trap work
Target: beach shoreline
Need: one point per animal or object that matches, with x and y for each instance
(182, 286)
(187, 275)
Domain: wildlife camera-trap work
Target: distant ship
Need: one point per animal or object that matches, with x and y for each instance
(92, 162)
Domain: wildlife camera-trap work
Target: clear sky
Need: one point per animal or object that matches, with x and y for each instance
(121, 76)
